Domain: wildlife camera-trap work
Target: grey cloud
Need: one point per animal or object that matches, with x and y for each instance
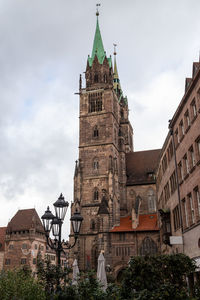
(44, 48)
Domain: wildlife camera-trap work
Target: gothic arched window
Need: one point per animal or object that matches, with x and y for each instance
(96, 78)
(148, 247)
(151, 200)
(96, 164)
(105, 78)
(95, 102)
(110, 165)
(95, 132)
(96, 194)
(92, 225)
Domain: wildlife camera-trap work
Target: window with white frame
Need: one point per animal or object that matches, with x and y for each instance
(186, 164)
(197, 196)
(191, 208)
(185, 212)
(187, 119)
(193, 108)
(182, 128)
(198, 146)
(192, 157)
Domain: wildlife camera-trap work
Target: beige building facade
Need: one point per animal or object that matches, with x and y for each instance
(24, 240)
(178, 176)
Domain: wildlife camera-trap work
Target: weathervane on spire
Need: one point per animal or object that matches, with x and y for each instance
(97, 5)
(115, 45)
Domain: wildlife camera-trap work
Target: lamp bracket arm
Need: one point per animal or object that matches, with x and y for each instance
(67, 246)
(50, 243)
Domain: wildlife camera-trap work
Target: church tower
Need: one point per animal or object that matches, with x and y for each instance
(100, 173)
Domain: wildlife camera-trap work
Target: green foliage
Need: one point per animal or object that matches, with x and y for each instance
(157, 277)
(113, 291)
(147, 278)
(20, 285)
(89, 287)
(50, 276)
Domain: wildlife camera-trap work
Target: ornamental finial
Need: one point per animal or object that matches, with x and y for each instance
(97, 12)
(115, 45)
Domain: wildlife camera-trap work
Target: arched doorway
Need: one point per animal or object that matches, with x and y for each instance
(120, 274)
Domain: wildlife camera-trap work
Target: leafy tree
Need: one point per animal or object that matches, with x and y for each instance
(89, 287)
(20, 285)
(157, 277)
(51, 276)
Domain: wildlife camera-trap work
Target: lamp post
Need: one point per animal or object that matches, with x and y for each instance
(54, 223)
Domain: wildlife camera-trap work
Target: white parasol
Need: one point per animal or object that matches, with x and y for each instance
(101, 272)
(75, 272)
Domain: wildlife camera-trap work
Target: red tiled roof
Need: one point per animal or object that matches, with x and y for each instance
(140, 164)
(25, 219)
(146, 223)
(2, 238)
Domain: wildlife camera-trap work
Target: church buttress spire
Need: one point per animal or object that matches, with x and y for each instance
(116, 83)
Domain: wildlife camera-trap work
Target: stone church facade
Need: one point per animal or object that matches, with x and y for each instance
(114, 187)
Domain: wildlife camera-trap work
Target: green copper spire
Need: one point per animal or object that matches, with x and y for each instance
(98, 48)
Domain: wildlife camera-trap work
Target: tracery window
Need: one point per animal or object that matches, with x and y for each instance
(95, 102)
(148, 247)
(151, 200)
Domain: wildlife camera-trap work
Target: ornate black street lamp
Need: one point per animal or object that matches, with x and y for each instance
(54, 223)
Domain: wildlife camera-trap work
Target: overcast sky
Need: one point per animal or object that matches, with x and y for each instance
(44, 47)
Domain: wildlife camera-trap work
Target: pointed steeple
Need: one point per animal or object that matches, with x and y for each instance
(98, 48)
(116, 84)
(116, 81)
